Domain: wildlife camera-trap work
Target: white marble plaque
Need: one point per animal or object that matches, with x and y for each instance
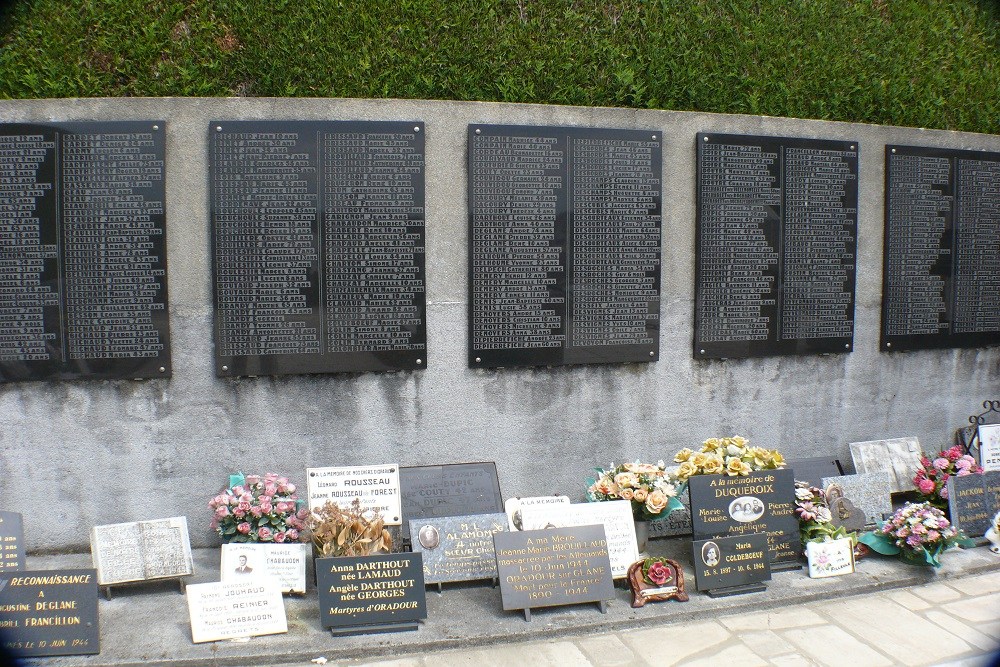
(221, 610)
(512, 506)
(614, 515)
(830, 559)
(900, 457)
(989, 446)
(870, 492)
(286, 563)
(137, 551)
(377, 487)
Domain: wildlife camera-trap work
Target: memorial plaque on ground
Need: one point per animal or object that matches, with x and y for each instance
(84, 263)
(941, 259)
(814, 469)
(159, 549)
(973, 501)
(449, 490)
(775, 248)
(870, 492)
(371, 593)
(900, 457)
(514, 506)
(458, 548)
(377, 487)
(614, 515)
(724, 563)
(989, 446)
(285, 563)
(11, 542)
(49, 612)
(545, 568)
(761, 502)
(564, 245)
(221, 610)
(317, 246)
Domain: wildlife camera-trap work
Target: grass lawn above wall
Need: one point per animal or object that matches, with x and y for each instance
(926, 63)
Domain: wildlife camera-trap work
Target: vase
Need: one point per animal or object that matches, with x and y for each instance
(641, 534)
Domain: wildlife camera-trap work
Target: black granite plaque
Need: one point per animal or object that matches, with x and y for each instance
(11, 542)
(317, 246)
(449, 490)
(730, 562)
(49, 612)
(775, 250)
(973, 501)
(761, 502)
(941, 262)
(83, 284)
(564, 245)
(457, 548)
(814, 468)
(545, 568)
(372, 591)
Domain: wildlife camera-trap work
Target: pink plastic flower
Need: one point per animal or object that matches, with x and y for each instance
(943, 492)
(292, 534)
(244, 528)
(264, 533)
(222, 512)
(925, 486)
(253, 480)
(941, 463)
(658, 573)
(279, 537)
(256, 511)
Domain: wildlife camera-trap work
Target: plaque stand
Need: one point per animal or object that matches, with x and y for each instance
(602, 605)
(979, 420)
(373, 628)
(181, 585)
(737, 590)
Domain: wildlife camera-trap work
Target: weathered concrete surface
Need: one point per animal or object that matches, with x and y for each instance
(75, 454)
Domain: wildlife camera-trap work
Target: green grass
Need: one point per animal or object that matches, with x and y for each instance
(928, 63)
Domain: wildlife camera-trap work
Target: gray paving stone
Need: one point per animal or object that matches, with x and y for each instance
(936, 593)
(675, 642)
(831, 646)
(793, 660)
(983, 610)
(963, 631)
(775, 619)
(733, 655)
(607, 651)
(983, 583)
(909, 600)
(765, 643)
(538, 654)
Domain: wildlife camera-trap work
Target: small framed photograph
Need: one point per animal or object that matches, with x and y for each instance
(285, 563)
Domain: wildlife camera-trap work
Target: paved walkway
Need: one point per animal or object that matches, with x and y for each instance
(955, 622)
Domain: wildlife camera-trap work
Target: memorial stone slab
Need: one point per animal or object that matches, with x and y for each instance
(941, 262)
(614, 515)
(870, 492)
(776, 244)
(900, 457)
(85, 261)
(761, 502)
(285, 563)
(317, 235)
(230, 610)
(49, 612)
(989, 446)
(458, 548)
(545, 568)
(449, 490)
(11, 542)
(381, 593)
(973, 501)
(564, 245)
(377, 487)
(726, 565)
(142, 550)
(513, 507)
(814, 469)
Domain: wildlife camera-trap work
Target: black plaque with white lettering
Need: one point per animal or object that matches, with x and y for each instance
(973, 502)
(761, 502)
(11, 541)
(362, 591)
(777, 222)
(318, 246)
(941, 263)
(49, 612)
(564, 245)
(449, 490)
(83, 284)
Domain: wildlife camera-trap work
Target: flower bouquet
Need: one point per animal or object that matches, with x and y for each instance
(931, 479)
(259, 509)
(919, 533)
(812, 507)
(647, 486)
(729, 456)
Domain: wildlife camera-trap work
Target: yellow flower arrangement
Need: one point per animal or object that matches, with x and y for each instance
(731, 456)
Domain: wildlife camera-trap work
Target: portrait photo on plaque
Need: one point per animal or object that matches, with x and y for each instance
(285, 563)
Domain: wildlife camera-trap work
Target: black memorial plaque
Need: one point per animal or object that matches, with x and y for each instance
(371, 591)
(777, 224)
(430, 492)
(546, 568)
(564, 245)
(813, 469)
(11, 542)
(83, 267)
(973, 501)
(318, 246)
(49, 612)
(730, 562)
(761, 502)
(941, 264)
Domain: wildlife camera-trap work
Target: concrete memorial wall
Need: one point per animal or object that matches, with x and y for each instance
(82, 452)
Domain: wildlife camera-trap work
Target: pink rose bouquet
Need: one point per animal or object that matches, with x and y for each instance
(932, 477)
(259, 509)
(918, 533)
(649, 487)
